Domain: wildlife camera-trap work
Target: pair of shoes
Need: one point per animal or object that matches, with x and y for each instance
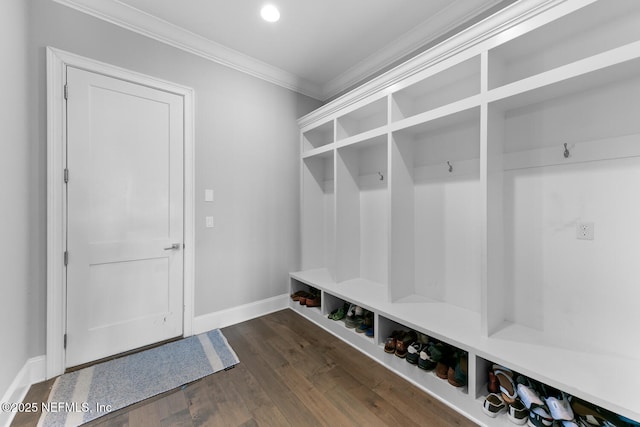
(339, 313)
(426, 361)
(442, 354)
(403, 342)
(398, 343)
(354, 316)
(366, 327)
(313, 300)
(457, 376)
(559, 407)
(413, 352)
(296, 296)
(538, 412)
(391, 341)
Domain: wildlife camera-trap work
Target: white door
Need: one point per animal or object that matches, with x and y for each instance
(124, 216)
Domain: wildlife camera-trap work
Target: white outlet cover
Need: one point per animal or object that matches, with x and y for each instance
(208, 195)
(209, 222)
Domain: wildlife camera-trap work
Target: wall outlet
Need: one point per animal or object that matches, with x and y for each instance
(208, 195)
(584, 231)
(209, 222)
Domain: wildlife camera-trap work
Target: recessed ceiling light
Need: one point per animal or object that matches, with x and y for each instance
(270, 13)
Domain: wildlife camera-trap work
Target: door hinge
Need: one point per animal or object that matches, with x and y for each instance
(66, 258)
(65, 341)
(66, 91)
(66, 175)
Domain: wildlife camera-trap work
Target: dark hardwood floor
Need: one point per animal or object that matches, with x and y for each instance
(291, 373)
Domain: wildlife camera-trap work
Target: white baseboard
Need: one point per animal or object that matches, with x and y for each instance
(231, 316)
(33, 371)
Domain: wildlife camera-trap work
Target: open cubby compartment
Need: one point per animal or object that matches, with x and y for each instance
(436, 237)
(368, 117)
(594, 29)
(318, 212)
(452, 84)
(362, 211)
(318, 136)
(579, 404)
(331, 303)
(427, 379)
(296, 286)
(546, 284)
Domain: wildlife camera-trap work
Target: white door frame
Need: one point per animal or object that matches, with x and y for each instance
(57, 62)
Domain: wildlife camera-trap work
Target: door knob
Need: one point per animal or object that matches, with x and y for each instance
(173, 247)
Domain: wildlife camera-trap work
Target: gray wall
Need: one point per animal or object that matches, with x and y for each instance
(246, 150)
(18, 225)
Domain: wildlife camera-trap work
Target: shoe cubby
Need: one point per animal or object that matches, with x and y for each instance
(452, 84)
(318, 213)
(318, 136)
(589, 31)
(362, 212)
(525, 393)
(366, 118)
(485, 193)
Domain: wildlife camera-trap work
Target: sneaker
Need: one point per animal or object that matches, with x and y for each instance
(413, 352)
(425, 361)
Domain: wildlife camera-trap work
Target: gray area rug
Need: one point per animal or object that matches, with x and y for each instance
(81, 396)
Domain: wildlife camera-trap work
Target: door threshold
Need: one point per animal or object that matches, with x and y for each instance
(123, 354)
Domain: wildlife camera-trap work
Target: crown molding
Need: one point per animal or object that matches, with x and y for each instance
(435, 27)
(486, 29)
(135, 20)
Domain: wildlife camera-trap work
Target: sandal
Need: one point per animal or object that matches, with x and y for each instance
(493, 405)
(539, 417)
(507, 386)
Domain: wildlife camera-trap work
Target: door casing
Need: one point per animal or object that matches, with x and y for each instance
(57, 62)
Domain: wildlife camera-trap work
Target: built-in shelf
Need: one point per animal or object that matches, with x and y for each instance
(318, 136)
(363, 119)
(448, 199)
(446, 87)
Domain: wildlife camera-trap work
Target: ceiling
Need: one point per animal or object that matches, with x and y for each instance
(318, 47)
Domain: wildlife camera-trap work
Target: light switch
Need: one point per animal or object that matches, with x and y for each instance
(209, 222)
(208, 195)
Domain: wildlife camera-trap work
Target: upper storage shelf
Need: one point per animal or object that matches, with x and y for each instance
(453, 84)
(363, 119)
(589, 31)
(318, 136)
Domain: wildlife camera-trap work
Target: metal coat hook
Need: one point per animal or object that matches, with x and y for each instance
(566, 151)
(381, 176)
(450, 167)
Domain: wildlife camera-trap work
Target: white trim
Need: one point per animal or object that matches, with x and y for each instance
(241, 313)
(427, 32)
(135, 20)
(484, 30)
(31, 373)
(138, 21)
(57, 61)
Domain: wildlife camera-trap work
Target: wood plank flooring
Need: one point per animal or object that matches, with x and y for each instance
(291, 373)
